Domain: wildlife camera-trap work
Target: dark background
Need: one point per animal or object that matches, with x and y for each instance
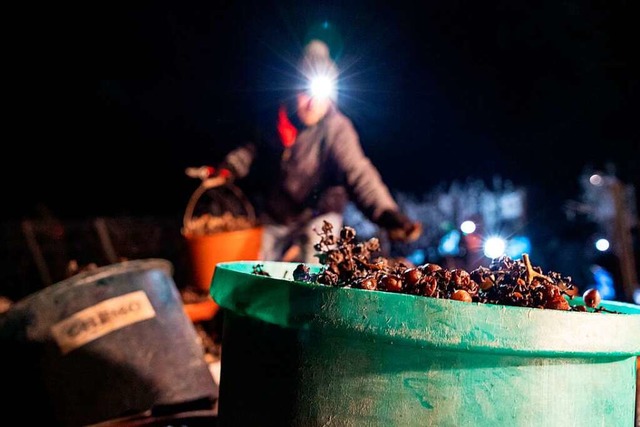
(106, 104)
(111, 102)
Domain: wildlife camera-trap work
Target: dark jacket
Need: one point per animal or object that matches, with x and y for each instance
(324, 169)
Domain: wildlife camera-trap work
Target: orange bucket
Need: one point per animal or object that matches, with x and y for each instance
(209, 246)
(205, 251)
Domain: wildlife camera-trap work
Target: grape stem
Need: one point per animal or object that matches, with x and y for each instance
(531, 273)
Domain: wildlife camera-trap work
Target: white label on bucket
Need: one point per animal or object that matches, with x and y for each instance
(98, 320)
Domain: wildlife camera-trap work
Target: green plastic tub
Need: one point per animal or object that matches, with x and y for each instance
(297, 354)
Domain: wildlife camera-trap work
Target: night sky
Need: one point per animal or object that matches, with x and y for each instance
(113, 101)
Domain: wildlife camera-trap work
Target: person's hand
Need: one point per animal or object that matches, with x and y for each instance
(399, 227)
(224, 172)
(202, 172)
(206, 172)
(406, 234)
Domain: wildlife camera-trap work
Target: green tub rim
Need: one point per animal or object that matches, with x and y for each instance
(423, 321)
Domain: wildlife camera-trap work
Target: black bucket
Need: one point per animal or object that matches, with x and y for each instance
(104, 344)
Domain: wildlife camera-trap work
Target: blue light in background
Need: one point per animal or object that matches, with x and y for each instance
(417, 257)
(604, 282)
(449, 243)
(518, 245)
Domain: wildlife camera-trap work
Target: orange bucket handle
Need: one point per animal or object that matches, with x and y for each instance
(207, 184)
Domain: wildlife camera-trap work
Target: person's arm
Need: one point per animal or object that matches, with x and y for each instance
(363, 179)
(236, 164)
(365, 184)
(238, 161)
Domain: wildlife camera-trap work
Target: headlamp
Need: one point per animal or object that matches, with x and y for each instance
(318, 71)
(322, 87)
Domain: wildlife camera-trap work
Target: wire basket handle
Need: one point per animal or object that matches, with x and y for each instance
(213, 182)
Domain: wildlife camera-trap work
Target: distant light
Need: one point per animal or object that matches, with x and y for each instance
(468, 227)
(494, 247)
(417, 257)
(602, 245)
(604, 282)
(511, 205)
(322, 87)
(636, 296)
(449, 243)
(517, 246)
(596, 180)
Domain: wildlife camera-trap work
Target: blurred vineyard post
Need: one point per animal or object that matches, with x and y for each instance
(624, 220)
(610, 204)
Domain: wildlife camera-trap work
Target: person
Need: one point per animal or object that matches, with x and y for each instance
(312, 167)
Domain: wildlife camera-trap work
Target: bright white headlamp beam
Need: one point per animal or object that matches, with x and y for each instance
(322, 87)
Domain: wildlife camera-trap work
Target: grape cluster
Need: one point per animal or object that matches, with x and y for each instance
(348, 263)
